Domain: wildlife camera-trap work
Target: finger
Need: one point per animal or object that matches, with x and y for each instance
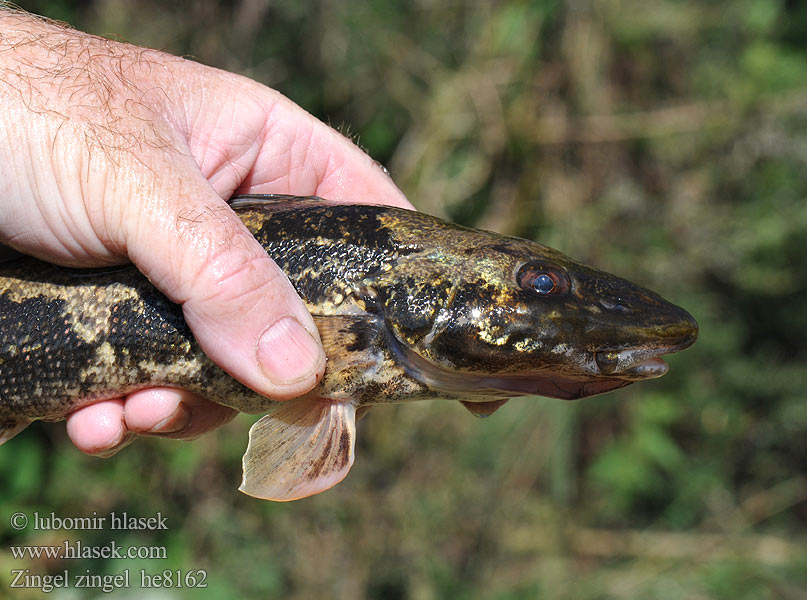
(289, 151)
(304, 156)
(99, 429)
(173, 413)
(240, 306)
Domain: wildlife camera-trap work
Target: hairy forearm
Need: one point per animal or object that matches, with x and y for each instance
(66, 75)
(76, 108)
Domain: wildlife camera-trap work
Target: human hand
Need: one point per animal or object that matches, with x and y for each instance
(114, 153)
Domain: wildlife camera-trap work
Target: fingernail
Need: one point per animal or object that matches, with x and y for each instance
(174, 423)
(287, 353)
(127, 439)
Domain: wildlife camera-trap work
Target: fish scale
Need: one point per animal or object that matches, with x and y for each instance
(322, 269)
(408, 307)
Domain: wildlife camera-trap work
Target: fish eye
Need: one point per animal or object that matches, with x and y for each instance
(542, 279)
(543, 284)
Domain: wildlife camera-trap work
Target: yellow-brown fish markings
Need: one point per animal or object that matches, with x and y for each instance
(408, 307)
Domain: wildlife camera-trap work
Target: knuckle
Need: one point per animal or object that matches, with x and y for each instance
(233, 283)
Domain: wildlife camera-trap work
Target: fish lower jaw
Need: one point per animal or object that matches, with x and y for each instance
(636, 363)
(650, 368)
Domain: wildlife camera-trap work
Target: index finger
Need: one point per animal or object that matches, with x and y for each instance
(258, 141)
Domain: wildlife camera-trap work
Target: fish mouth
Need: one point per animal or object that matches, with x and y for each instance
(616, 370)
(641, 362)
(626, 367)
(610, 370)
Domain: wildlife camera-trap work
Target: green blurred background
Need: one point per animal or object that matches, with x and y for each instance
(662, 140)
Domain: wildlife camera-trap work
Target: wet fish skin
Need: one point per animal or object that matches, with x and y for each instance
(407, 306)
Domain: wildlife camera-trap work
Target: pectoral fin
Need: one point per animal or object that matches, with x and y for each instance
(301, 449)
(483, 409)
(8, 429)
(351, 342)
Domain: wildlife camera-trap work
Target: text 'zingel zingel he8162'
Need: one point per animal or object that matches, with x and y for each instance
(113, 520)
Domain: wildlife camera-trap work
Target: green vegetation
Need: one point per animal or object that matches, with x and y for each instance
(663, 140)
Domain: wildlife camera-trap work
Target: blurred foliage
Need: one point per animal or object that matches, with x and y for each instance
(664, 140)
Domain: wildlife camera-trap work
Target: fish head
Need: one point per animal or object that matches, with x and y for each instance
(511, 317)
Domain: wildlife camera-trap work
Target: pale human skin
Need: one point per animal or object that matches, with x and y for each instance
(113, 153)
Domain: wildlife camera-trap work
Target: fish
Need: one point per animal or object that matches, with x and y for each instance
(408, 307)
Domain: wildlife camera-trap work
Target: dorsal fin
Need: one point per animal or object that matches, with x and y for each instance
(247, 200)
(303, 448)
(483, 409)
(7, 254)
(95, 272)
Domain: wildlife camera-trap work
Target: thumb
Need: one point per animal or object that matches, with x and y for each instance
(240, 306)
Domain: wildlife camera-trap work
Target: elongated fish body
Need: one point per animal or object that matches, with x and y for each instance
(408, 307)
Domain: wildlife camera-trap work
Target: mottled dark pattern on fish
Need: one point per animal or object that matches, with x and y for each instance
(328, 248)
(65, 337)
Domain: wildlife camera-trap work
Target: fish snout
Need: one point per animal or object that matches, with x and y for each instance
(673, 330)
